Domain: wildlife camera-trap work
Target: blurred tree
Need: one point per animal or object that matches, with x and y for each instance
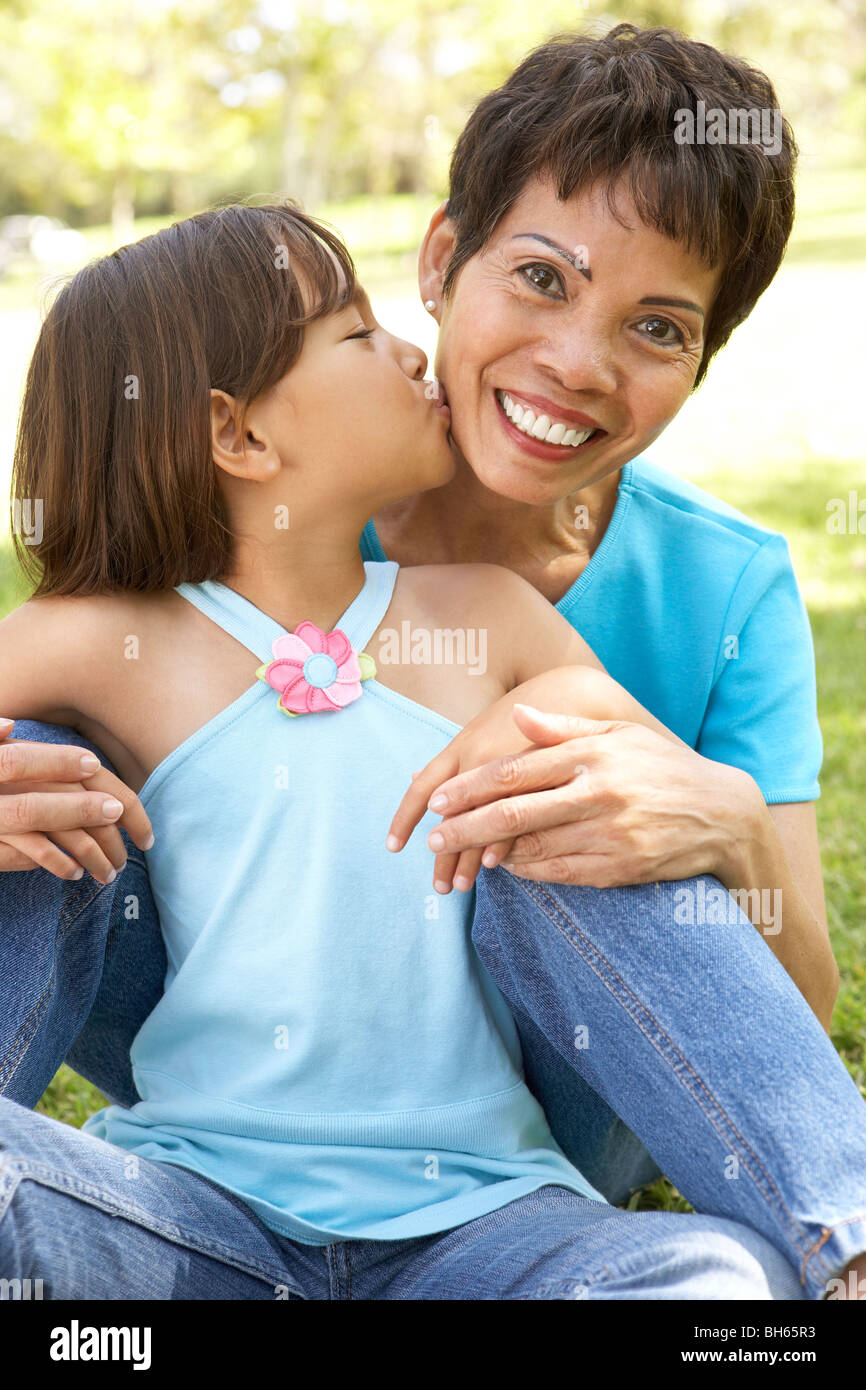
(163, 105)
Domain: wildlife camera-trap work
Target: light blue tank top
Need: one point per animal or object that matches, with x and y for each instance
(329, 1047)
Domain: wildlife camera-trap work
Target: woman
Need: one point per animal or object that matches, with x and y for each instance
(600, 313)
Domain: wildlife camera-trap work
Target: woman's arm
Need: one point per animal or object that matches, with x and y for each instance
(639, 810)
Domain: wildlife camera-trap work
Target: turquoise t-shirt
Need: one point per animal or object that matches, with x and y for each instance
(695, 609)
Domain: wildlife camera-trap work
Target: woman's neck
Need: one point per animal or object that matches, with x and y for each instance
(463, 522)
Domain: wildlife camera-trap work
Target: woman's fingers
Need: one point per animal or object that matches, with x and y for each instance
(18, 852)
(573, 800)
(27, 811)
(89, 848)
(21, 761)
(538, 769)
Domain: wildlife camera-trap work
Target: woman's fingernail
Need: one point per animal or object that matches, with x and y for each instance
(112, 807)
(148, 844)
(392, 842)
(507, 864)
(462, 884)
(441, 886)
(109, 878)
(488, 859)
(89, 763)
(435, 840)
(79, 873)
(438, 802)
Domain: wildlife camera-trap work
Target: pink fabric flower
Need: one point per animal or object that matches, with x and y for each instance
(315, 671)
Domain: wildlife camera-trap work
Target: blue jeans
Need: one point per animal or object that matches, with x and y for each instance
(640, 1036)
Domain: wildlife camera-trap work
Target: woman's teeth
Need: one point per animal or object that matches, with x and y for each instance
(541, 426)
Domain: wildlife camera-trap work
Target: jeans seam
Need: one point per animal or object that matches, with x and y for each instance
(333, 1270)
(71, 911)
(140, 1216)
(814, 1251)
(12, 1061)
(799, 1236)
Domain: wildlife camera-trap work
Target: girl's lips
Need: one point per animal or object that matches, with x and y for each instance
(440, 400)
(537, 446)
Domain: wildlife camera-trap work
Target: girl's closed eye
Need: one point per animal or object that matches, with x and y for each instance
(362, 333)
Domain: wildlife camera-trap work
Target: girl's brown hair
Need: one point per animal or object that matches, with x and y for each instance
(114, 433)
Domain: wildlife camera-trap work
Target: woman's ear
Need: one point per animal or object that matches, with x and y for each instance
(434, 255)
(235, 446)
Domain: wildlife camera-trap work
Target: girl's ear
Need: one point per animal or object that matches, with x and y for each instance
(235, 447)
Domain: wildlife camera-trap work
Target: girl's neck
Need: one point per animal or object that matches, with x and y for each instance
(314, 579)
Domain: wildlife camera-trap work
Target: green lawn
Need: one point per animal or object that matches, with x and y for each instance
(769, 461)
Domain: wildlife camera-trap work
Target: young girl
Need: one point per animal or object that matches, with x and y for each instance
(211, 416)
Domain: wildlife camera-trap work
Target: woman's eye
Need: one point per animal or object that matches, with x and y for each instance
(544, 270)
(363, 333)
(664, 326)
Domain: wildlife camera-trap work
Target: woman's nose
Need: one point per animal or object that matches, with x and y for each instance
(581, 357)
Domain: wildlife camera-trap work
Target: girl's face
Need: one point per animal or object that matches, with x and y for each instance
(354, 419)
(595, 325)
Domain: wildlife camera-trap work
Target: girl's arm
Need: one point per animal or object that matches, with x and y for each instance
(46, 789)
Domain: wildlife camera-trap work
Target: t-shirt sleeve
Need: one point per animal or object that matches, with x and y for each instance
(762, 711)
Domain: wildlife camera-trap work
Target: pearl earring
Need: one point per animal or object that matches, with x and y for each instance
(430, 305)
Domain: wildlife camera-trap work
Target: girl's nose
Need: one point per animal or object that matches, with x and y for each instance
(412, 358)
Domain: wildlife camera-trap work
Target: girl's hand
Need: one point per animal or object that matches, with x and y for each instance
(588, 801)
(493, 738)
(71, 811)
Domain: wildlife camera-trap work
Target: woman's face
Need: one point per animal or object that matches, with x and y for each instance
(608, 327)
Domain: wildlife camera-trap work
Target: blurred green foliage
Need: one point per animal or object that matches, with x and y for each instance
(171, 104)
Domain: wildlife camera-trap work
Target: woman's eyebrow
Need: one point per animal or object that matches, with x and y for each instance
(554, 246)
(672, 303)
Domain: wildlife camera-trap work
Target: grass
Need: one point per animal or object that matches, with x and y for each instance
(760, 460)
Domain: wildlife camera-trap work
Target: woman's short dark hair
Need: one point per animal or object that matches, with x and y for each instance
(589, 111)
(114, 437)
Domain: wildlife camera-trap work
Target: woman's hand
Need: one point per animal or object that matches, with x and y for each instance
(53, 798)
(582, 801)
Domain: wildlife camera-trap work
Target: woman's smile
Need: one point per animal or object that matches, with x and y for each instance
(551, 432)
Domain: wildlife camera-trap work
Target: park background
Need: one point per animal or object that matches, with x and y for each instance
(117, 119)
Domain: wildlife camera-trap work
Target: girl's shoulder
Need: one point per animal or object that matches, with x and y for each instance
(68, 621)
(74, 640)
(489, 592)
